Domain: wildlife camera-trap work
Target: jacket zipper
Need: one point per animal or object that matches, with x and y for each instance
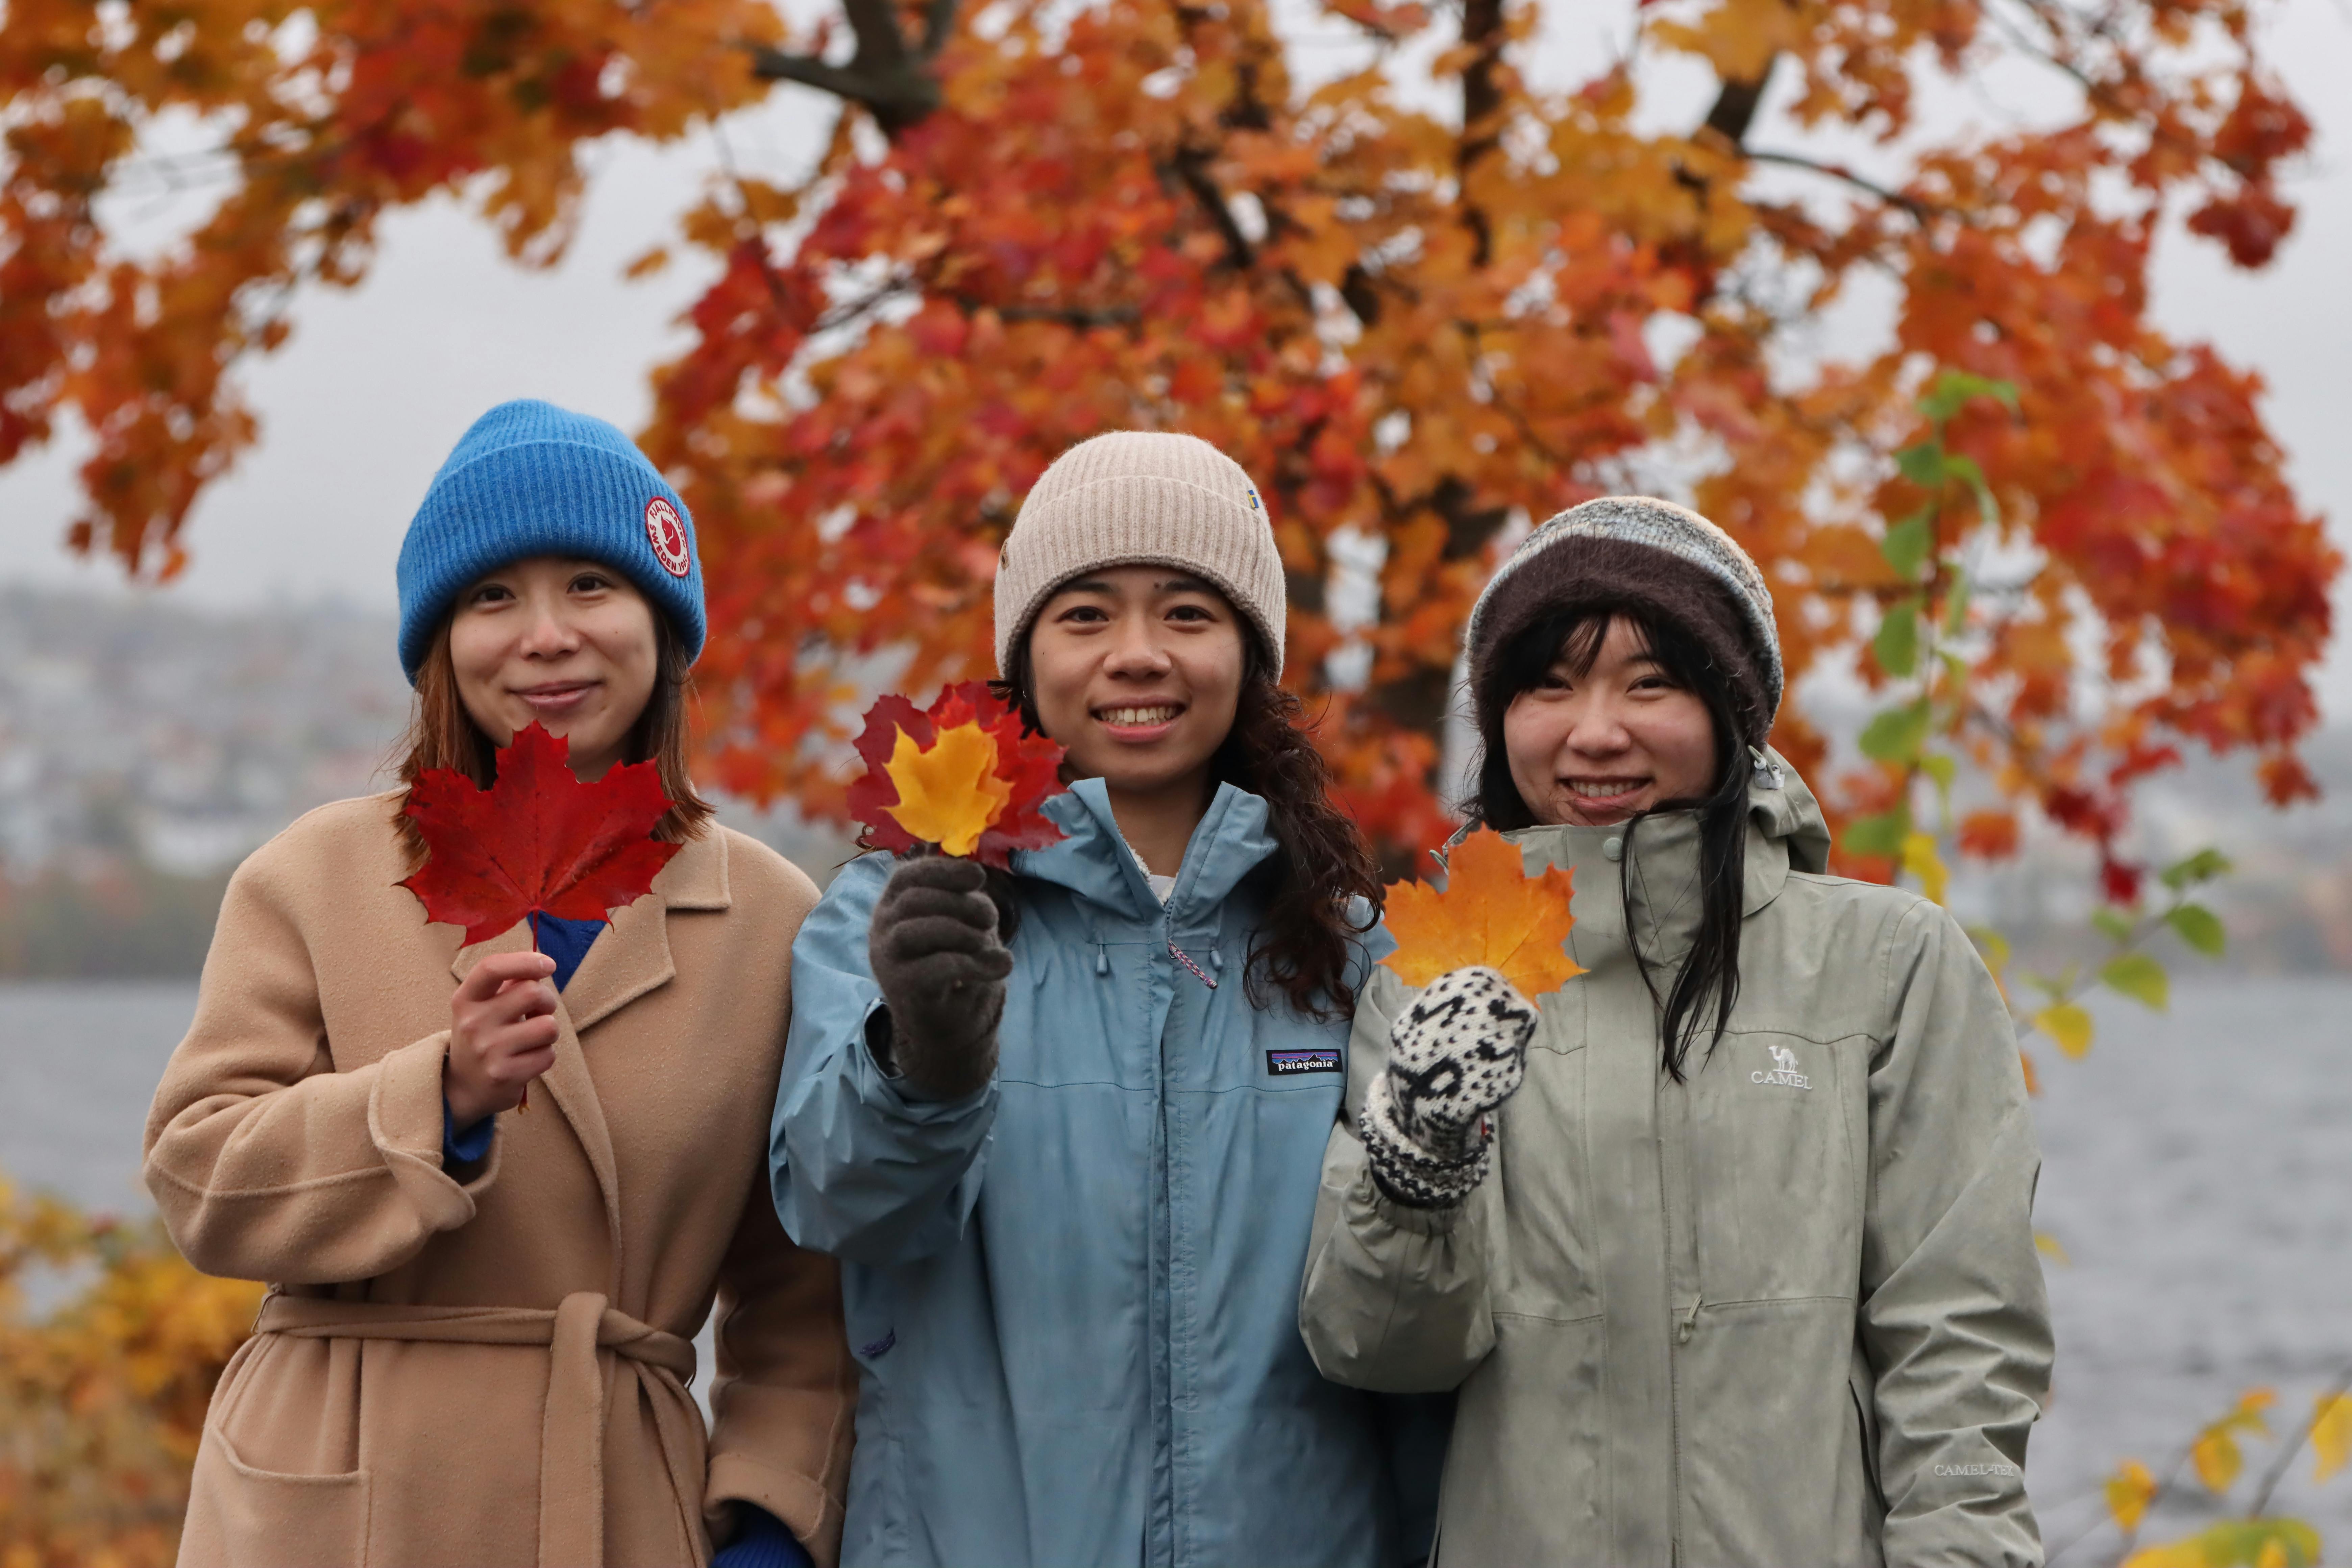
(1673, 1369)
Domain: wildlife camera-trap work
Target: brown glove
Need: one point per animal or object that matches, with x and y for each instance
(936, 953)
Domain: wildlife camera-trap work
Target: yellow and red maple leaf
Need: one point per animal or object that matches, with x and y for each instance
(1491, 912)
(962, 775)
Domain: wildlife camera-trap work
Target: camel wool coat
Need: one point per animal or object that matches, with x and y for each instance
(490, 1365)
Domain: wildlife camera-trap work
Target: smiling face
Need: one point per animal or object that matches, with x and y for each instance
(568, 642)
(1137, 671)
(1595, 746)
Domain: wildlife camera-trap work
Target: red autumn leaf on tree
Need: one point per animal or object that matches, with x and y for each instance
(537, 841)
(1036, 222)
(960, 774)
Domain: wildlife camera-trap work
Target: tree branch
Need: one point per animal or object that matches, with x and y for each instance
(1191, 166)
(1911, 204)
(2338, 1387)
(1736, 104)
(1065, 315)
(889, 81)
(938, 21)
(1482, 107)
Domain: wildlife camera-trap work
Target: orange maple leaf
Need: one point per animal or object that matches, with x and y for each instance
(1491, 912)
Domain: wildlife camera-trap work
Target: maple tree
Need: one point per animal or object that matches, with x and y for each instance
(1423, 320)
(538, 841)
(1420, 319)
(961, 776)
(1490, 912)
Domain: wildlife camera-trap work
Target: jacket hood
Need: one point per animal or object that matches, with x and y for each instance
(1782, 809)
(1787, 833)
(1094, 862)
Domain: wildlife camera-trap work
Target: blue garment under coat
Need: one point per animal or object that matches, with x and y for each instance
(1073, 1295)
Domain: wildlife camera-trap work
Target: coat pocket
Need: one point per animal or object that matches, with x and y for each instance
(1867, 1437)
(240, 1517)
(1777, 1204)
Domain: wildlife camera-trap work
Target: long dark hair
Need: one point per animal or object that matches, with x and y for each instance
(1320, 863)
(1573, 637)
(442, 734)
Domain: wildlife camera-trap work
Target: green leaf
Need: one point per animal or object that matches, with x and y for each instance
(1964, 468)
(1952, 390)
(1993, 945)
(1923, 465)
(1897, 735)
(1897, 644)
(2201, 866)
(2140, 977)
(1943, 770)
(1906, 543)
(2115, 923)
(1880, 835)
(1956, 609)
(2199, 927)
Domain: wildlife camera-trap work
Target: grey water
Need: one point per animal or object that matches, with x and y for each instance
(2197, 1173)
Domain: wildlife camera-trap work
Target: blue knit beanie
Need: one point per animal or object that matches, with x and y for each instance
(530, 479)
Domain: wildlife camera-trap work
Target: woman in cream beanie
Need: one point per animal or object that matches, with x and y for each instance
(1065, 1139)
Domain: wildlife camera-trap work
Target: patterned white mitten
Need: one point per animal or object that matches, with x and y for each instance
(1455, 1056)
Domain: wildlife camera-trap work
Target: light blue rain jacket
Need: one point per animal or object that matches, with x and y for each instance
(1073, 1296)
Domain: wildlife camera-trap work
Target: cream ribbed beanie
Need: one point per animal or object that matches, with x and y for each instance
(1136, 498)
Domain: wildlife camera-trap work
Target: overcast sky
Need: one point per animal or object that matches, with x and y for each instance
(377, 385)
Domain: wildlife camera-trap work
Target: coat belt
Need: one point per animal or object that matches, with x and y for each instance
(572, 1439)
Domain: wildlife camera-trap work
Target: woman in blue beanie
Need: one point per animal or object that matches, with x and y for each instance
(478, 1338)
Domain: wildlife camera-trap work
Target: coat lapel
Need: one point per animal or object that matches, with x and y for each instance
(633, 957)
(626, 962)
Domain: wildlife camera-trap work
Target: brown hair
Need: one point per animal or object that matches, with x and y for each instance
(442, 734)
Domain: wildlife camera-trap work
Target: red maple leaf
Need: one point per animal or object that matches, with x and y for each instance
(537, 841)
(1030, 765)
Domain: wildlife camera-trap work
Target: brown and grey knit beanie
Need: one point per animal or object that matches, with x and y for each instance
(1653, 556)
(1142, 497)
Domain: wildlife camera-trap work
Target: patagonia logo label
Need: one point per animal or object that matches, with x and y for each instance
(1288, 1064)
(880, 1348)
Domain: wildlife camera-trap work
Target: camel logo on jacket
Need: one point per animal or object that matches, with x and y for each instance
(1784, 1071)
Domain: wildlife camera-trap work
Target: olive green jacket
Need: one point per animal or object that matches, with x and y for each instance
(1787, 1312)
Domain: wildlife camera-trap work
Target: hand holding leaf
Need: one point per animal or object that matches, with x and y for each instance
(537, 841)
(960, 775)
(1491, 913)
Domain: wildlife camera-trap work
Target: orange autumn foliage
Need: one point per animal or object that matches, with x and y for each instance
(1491, 912)
(103, 1396)
(1421, 318)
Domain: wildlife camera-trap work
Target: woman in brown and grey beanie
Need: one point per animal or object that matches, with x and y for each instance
(1065, 1141)
(1730, 1249)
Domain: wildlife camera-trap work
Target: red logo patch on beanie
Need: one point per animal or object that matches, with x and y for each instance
(667, 535)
